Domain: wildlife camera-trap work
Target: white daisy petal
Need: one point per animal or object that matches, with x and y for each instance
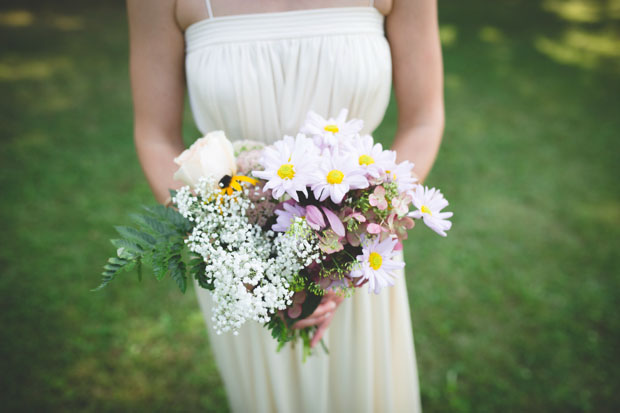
(429, 203)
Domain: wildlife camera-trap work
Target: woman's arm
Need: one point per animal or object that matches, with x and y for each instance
(158, 88)
(413, 33)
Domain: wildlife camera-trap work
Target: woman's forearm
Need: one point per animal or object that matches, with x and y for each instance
(419, 145)
(156, 156)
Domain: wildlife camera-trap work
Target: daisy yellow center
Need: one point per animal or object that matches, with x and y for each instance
(286, 171)
(426, 210)
(331, 128)
(375, 260)
(366, 160)
(334, 177)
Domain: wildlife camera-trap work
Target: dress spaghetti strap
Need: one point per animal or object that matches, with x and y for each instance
(210, 10)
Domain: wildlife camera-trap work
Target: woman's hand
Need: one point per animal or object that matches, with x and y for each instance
(321, 317)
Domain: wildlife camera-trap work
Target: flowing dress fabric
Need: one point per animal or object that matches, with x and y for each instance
(255, 76)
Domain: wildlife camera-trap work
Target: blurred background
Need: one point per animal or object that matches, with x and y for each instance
(515, 311)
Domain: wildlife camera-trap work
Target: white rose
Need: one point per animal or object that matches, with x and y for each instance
(210, 155)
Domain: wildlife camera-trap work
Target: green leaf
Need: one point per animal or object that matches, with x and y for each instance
(177, 272)
(160, 262)
(118, 261)
(154, 225)
(170, 215)
(157, 240)
(136, 236)
(112, 268)
(197, 270)
(127, 246)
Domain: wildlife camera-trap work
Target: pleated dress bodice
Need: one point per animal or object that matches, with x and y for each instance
(255, 76)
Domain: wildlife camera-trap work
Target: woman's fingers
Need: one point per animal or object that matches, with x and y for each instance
(324, 308)
(317, 317)
(329, 303)
(318, 335)
(310, 321)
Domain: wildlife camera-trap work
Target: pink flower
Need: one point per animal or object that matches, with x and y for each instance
(400, 205)
(349, 214)
(329, 242)
(312, 214)
(334, 221)
(248, 161)
(399, 226)
(377, 198)
(373, 228)
(314, 217)
(355, 237)
(263, 206)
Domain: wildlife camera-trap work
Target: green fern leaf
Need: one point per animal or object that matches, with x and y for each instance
(112, 268)
(177, 272)
(197, 270)
(153, 225)
(136, 236)
(159, 262)
(127, 247)
(170, 215)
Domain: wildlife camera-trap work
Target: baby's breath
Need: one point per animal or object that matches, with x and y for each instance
(251, 270)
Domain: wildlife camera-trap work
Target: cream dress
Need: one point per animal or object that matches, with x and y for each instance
(255, 76)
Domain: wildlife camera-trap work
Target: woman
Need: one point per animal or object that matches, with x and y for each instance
(254, 69)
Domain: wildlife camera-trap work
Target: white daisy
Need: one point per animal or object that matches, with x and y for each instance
(288, 165)
(376, 264)
(429, 203)
(401, 173)
(337, 175)
(369, 155)
(329, 132)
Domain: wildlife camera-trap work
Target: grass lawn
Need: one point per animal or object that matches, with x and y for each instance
(514, 311)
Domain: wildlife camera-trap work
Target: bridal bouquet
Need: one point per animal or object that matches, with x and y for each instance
(269, 229)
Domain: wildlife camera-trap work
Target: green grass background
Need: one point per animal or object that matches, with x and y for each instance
(515, 311)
